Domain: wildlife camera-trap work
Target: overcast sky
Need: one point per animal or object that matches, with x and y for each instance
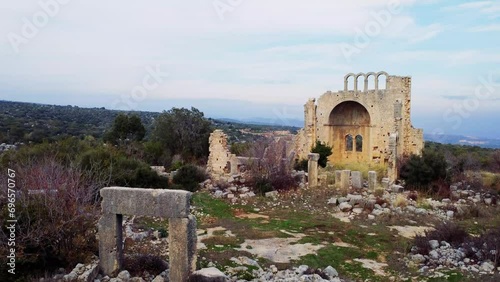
(253, 58)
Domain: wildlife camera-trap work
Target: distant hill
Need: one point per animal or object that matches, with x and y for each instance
(295, 123)
(24, 122)
(463, 140)
(31, 122)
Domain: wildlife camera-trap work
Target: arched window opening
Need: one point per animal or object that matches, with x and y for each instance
(350, 82)
(370, 82)
(382, 81)
(359, 143)
(348, 143)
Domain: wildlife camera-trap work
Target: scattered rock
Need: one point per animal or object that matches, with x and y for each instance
(124, 276)
(345, 207)
(210, 274)
(330, 271)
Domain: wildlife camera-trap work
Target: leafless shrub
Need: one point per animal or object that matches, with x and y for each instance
(268, 164)
(447, 231)
(56, 211)
(485, 247)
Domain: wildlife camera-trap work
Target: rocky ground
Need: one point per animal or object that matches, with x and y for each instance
(321, 234)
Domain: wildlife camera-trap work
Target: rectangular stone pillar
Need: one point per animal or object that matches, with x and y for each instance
(357, 179)
(312, 169)
(344, 179)
(110, 243)
(385, 183)
(372, 180)
(338, 174)
(182, 247)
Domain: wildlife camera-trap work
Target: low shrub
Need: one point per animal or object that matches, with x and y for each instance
(262, 185)
(485, 247)
(448, 231)
(421, 171)
(301, 165)
(56, 214)
(283, 182)
(189, 177)
(324, 152)
(400, 201)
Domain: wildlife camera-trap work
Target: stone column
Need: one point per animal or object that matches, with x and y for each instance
(312, 169)
(372, 180)
(344, 179)
(338, 174)
(357, 179)
(385, 183)
(110, 243)
(182, 247)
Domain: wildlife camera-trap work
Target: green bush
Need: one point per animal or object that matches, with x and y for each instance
(188, 177)
(240, 149)
(421, 171)
(324, 152)
(301, 165)
(123, 171)
(262, 185)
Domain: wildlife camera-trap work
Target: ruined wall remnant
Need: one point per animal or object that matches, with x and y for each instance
(365, 122)
(171, 204)
(220, 159)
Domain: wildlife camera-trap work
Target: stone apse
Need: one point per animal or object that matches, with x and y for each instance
(368, 121)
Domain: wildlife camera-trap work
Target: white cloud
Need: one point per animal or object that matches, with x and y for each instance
(485, 28)
(449, 58)
(488, 8)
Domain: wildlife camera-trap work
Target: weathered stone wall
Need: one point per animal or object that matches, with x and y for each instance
(364, 110)
(219, 159)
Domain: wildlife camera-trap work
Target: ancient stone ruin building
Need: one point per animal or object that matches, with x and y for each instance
(220, 160)
(365, 122)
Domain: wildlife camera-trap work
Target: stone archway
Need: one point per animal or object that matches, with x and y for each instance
(350, 132)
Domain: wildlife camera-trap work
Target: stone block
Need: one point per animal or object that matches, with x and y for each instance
(211, 274)
(372, 180)
(182, 247)
(344, 179)
(338, 174)
(110, 243)
(313, 169)
(385, 183)
(146, 202)
(357, 179)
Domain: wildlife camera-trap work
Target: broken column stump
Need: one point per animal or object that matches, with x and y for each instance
(356, 179)
(312, 169)
(372, 180)
(344, 179)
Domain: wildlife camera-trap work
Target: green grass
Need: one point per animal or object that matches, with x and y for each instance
(214, 207)
(151, 223)
(450, 276)
(341, 259)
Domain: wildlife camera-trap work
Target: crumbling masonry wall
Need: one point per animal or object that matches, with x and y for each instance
(220, 160)
(363, 122)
